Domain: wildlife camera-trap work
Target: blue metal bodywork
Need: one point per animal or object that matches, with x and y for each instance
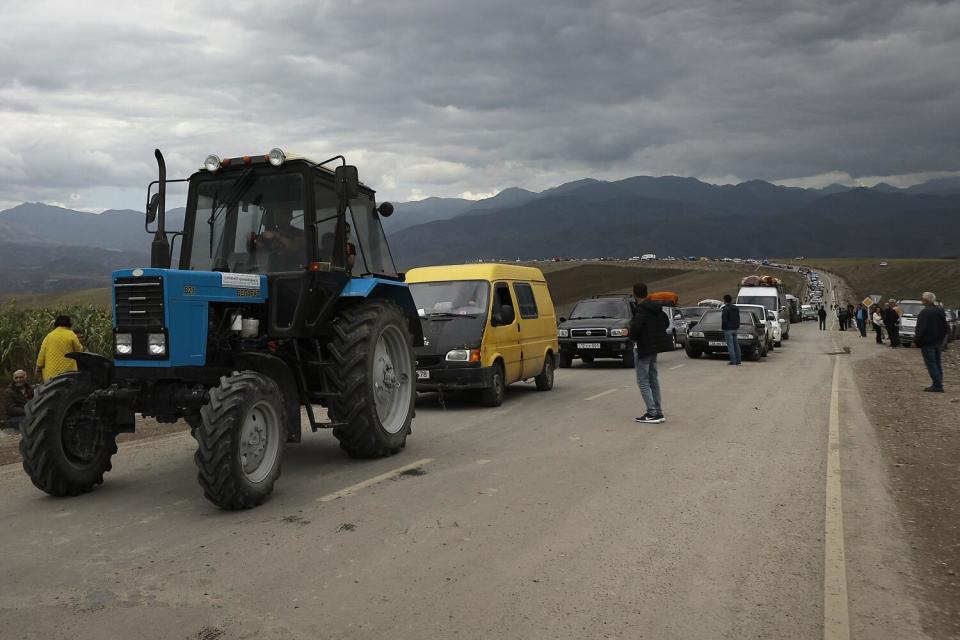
(187, 296)
(186, 299)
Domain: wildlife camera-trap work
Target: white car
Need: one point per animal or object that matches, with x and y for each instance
(774, 337)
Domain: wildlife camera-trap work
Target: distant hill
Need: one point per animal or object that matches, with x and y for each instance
(34, 222)
(51, 268)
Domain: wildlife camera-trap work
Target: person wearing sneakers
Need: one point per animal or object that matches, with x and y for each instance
(648, 331)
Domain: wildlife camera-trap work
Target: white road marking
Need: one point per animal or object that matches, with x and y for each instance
(836, 615)
(601, 394)
(678, 366)
(352, 489)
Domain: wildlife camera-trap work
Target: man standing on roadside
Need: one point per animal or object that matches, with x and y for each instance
(891, 320)
(14, 399)
(648, 331)
(822, 314)
(862, 320)
(730, 322)
(931, 337)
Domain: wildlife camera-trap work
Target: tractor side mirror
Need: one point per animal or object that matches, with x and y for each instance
(152, 207)
(348, 181)
(385, 209)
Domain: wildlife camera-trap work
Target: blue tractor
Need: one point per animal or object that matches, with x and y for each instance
(285, 297)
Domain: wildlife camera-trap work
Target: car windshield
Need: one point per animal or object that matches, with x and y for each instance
(911, 308)
(600, 308)
(769, 302)
(711, 318)
(691, 313)
(451, 298)
(249, 224)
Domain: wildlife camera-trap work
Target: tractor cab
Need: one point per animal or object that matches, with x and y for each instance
(285, 297)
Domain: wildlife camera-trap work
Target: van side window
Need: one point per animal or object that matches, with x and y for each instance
(502, 298)
(525, 300)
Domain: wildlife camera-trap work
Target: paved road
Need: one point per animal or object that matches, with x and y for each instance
(554, 516)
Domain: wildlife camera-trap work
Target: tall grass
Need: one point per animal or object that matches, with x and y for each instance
(23, 329)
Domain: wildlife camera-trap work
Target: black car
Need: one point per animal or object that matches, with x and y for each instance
(598, 327)
(706, 336)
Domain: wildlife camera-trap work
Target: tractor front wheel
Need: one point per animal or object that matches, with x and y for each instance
(65, 451)
(240, 440)
(371, 347)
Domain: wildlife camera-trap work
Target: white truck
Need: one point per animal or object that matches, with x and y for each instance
(768, 292)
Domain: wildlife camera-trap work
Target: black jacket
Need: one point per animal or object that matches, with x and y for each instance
(890, 317)
(13, 401)
(729, 317)
(931, 327)
(822, 313)
(648, 329)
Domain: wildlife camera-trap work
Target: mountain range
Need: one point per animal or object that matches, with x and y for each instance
(586, 218)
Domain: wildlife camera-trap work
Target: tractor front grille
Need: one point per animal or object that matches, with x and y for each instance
(138, 302)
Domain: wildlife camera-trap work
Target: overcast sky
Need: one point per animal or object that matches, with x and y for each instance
(456, 98)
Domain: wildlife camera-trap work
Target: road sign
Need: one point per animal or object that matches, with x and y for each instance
(867, 301)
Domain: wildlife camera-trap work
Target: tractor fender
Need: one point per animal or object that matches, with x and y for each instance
(278, 370)
(392, 290)
(99, 368)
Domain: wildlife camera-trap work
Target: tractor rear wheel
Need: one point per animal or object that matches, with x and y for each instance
(371, 347)
(240, 440)
(65, 452)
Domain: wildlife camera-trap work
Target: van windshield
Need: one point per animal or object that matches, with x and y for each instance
(911, 308)
(769, 302)
(451, 298)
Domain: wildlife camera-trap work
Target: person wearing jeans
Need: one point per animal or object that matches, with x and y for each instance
(648, 331)
(730, 322)
(931, 336)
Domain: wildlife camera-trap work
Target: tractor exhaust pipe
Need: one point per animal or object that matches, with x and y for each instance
(160, 247)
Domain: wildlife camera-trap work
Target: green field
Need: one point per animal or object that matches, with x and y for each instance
(900, 279)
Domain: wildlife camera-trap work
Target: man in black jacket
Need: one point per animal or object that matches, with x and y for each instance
(822, 314)
(730, 322)
(931, 336)
(891, 320)
(648, 331)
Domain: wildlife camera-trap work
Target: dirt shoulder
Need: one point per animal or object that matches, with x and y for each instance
(146, 428)
(919, 435)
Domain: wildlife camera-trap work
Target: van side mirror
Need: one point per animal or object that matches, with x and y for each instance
(152, 207)
(347, 180)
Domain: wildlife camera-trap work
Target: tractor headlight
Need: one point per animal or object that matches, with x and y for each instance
(563, 333)
(123, 344)
(212, 163)
(276, 157)
(157, 344)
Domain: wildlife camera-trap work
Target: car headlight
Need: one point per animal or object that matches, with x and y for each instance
(123, 344)
(157, 344)
(619, 333)
(696, 334)
(745, 336)
(463, 355)
(563, 333)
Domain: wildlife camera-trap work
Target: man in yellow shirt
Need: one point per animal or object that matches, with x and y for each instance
(56, 345)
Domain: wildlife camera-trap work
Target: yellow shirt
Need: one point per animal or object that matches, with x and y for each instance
(53, 351)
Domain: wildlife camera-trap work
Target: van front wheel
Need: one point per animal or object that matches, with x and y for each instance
(492, 396)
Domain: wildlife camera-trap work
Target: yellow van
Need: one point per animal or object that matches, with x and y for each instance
(485, 326)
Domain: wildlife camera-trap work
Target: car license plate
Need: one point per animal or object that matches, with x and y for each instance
(717, 343)
(588, 345)
(423, 374)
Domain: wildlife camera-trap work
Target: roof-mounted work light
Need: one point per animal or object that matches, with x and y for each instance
(212, 163)
(276, 157)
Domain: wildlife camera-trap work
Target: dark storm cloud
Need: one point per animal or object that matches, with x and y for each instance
(439, 97)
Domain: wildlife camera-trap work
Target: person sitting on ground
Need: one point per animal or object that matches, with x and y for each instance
(52, 360)
(13, 400)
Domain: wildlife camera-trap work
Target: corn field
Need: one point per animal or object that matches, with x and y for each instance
(22, 330)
